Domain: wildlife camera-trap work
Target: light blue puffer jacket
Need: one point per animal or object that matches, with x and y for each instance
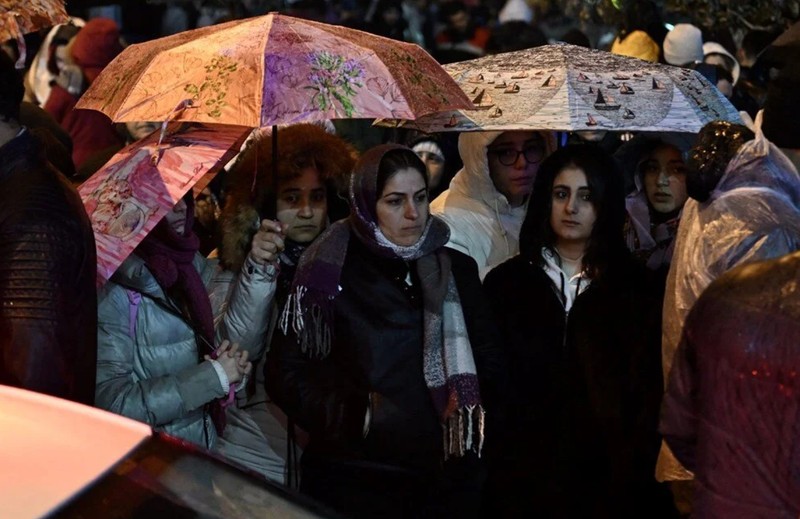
(153, 373)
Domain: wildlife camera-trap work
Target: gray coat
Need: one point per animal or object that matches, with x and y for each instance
(153, 373)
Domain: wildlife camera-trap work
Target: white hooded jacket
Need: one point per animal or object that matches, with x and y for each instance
(482, 223)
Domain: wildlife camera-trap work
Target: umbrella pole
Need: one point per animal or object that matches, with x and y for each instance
(275, 160)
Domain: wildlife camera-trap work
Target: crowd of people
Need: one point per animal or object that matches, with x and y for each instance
(490, 324)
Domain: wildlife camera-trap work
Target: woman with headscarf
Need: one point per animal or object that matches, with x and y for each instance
(389, 354)
(658, 170)
(175, 332)
(581, 331)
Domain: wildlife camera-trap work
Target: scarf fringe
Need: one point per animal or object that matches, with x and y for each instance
(463, 431)
(311, 326)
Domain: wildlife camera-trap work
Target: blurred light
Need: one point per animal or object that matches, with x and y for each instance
(669, 26)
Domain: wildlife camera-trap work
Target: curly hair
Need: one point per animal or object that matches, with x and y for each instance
(606, 243)
(252, 183)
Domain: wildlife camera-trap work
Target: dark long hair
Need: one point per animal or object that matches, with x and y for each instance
(606, 243)
(395, 160)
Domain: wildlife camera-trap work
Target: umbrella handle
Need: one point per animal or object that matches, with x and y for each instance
(186, 103)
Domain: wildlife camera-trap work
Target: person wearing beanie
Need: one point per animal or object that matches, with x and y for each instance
(95, 46)
(637, 44)
(515, 10)
(683, 45)
(429, 151)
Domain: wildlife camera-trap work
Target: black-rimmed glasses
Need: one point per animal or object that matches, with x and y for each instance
(509, 156)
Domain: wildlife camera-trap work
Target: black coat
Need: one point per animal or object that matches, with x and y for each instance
(377, 348)
(48, 317)
(579, 437)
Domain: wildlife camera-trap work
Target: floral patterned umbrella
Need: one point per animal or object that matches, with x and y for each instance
(141, 183)
(19, 17)
(269, 70)
(565, 87)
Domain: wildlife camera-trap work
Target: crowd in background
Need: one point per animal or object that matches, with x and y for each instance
(530, 293)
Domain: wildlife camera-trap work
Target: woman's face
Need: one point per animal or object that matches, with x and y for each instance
(435, 166)
(177, 217)
(141, 129)
(402, 207)
(302, 206)
(573, 213)
(664, 175)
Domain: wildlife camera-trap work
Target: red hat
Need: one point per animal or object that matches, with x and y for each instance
(96, 45)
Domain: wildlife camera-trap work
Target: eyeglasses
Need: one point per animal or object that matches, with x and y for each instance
(509, 156)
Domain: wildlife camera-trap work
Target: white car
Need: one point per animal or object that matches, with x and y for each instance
(63, 459)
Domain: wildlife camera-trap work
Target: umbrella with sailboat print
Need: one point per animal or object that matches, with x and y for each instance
(564, 87)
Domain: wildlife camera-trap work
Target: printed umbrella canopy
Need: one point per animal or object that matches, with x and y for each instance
(269, 70)
(141, 183)
(568, 88)
(19, 17)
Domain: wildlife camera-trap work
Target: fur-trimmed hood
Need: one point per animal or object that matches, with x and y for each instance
(251, 186)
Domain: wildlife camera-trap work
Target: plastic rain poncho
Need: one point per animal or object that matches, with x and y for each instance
(752, 215)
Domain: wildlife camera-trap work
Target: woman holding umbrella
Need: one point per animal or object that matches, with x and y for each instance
(294, 199)
(165, 320)
(387, 345)
(581, 330)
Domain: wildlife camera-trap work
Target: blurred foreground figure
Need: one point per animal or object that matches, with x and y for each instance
(730, 413)
(48, 312)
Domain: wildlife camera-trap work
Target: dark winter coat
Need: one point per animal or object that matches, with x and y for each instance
(731, 409)
(48, 315)
(579, 437)
(377, 356)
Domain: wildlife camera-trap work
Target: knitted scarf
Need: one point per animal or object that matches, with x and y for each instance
(288, 261)
(170, 258)
(448, 365)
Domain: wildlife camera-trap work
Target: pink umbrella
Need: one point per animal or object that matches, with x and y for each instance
(141, 183)
(270, 70)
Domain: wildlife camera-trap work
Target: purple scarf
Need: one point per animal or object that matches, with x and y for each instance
(448, 365)
(170, 258)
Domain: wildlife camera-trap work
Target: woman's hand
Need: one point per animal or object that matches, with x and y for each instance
(267, 242)
(233, 361)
